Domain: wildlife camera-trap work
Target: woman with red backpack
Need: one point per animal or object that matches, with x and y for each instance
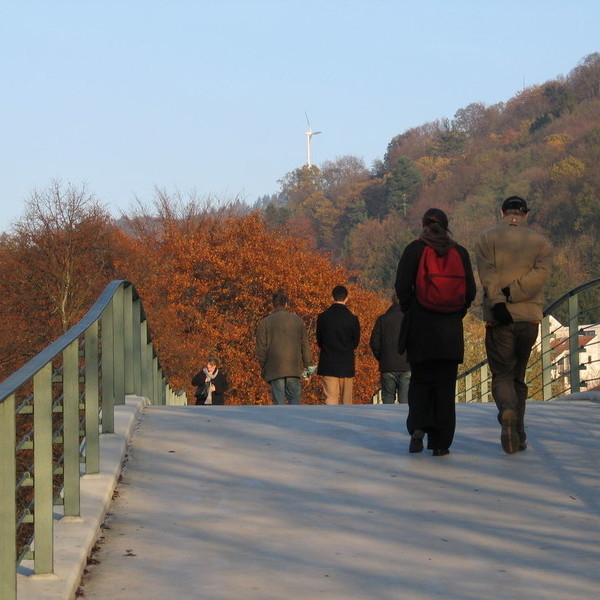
(435, 286)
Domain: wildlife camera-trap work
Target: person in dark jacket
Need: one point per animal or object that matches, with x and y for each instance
(434, 341)
(211, 382)
(338, 335)
(393, 365)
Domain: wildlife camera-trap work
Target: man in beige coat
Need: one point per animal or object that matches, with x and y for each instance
(283, 351)
(514, 264)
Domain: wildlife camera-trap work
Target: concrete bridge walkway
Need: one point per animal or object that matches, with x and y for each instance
(308, 502)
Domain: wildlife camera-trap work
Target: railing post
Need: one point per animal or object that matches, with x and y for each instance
(137, 346)
(128, 338)
(146, 362)
(108, 359)
(546, 359)
(574, 342)
(8, 504)
(92, 420)
(119, 346)
(155, 379)
(469, 388)
(42, 460)
(484, 378)
(71, 460)
(163, 387)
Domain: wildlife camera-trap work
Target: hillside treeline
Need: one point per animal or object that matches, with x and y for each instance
(543, 144)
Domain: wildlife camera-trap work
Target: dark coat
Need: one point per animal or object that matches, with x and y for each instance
(384, 341)
(220, 383)
(428, 335)
(338, 335)
(282, 346)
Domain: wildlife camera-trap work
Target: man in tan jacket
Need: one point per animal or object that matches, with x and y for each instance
(514, 264)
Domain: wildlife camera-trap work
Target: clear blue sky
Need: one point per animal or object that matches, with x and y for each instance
(126, 95)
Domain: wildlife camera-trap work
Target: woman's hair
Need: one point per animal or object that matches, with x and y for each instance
(435, 231)
(435, 216)
(213, 360)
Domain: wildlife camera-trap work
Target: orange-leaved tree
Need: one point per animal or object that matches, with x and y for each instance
(207, 277)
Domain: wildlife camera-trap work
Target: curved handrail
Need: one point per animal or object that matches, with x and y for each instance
(574, 292)
(67, 394)
(27, 371)
(547, 311)
(569, 296)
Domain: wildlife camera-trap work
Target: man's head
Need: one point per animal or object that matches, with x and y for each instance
(279, 299)
(339, 293)
(514, 205)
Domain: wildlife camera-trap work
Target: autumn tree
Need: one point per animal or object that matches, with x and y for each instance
(476, 119)
(330, 198)
(207, 278)
(584, 80)
(375, 247)
(450, 140)
(55, 262)
(345, 181)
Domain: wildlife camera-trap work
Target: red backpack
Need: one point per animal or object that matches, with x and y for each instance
(441, 284)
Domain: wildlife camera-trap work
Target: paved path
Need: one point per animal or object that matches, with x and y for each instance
(301, 503)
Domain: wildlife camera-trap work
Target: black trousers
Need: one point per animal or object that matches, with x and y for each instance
(431, 401)
(508, 348)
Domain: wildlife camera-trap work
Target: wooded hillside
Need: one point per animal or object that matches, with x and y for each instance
(543, 144)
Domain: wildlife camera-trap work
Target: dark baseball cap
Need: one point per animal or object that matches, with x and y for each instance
(515, 203)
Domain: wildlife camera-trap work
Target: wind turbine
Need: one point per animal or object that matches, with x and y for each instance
(309, 135)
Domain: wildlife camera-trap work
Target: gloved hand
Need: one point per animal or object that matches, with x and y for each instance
(501, 313)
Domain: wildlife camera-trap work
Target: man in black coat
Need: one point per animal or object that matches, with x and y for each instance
(393, 366)
(338, 335)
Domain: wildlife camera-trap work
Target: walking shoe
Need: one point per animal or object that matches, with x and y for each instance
(509, 438)
(441, 452)
(416, 441)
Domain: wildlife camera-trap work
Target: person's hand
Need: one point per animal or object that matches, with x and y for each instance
(502, 314)
(311, 370)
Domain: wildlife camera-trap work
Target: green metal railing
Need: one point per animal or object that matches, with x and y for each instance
(52, 413)
(570, 329)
